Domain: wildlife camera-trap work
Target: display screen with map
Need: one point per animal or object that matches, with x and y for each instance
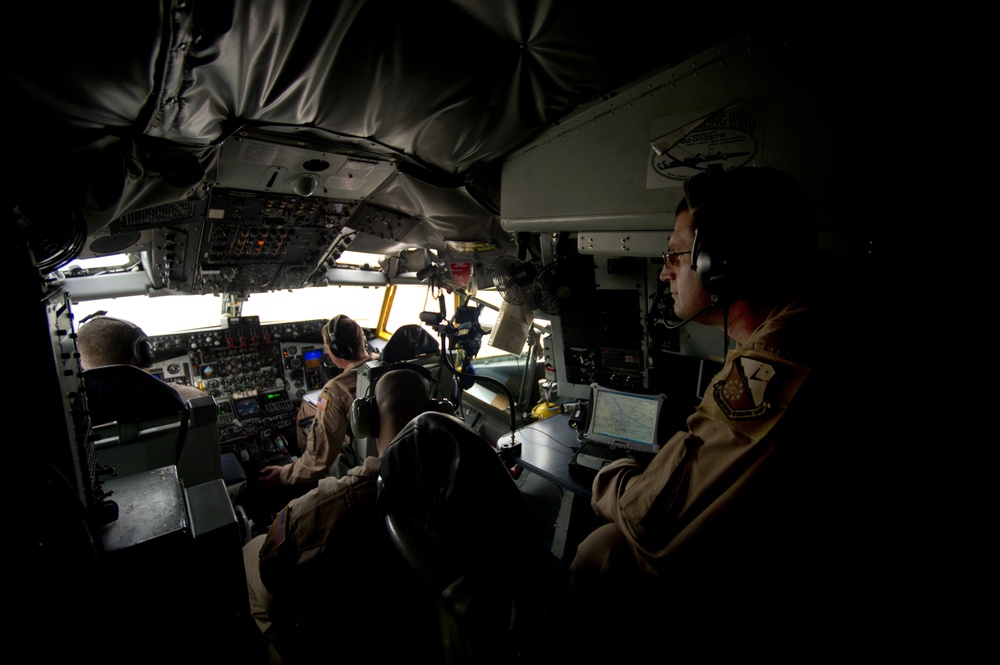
(623, 419)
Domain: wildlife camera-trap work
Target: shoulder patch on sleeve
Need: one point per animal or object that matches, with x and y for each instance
(280, 526)
(743, 392)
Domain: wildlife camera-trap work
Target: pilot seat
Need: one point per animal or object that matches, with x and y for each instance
(141, 423)
(456, 515)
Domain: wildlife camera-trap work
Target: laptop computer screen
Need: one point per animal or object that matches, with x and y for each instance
(623, 419)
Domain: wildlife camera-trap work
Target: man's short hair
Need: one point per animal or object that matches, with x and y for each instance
(397, 397)
(404, 390)
(109, 341)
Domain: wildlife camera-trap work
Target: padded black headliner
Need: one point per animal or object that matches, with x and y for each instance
(122, 110)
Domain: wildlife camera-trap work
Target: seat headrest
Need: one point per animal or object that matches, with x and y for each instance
(125, 392)
(440, 473)
(409, 342)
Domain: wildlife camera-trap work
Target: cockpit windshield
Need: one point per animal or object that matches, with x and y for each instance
(164, 315)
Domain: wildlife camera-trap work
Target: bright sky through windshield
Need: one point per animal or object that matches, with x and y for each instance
(170, 314)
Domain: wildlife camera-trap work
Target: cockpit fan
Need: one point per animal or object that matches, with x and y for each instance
(558, 289)
(513, 278)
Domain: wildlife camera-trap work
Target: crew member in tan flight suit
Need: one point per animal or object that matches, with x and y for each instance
(327, 552)
(738, 509)
(344, 341)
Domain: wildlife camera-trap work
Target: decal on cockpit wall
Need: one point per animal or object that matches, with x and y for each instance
(730, 137)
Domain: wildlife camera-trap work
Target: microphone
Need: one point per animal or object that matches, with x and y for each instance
(673, 326)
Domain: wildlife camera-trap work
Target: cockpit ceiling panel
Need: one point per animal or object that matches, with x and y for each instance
(267, 166)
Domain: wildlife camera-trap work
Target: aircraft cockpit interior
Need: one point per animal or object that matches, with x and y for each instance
(497, 194)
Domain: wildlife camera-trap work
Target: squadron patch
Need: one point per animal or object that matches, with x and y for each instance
(741, 394)
(280, 526)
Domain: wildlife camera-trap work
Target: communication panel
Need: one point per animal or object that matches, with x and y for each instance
(604, 343)
(258, 429)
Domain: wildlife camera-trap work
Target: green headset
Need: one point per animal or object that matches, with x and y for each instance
(364, 410)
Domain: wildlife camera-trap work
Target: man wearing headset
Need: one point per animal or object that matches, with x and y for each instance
(105, 340)
(344, 341)
(739, 504)
(327, 551)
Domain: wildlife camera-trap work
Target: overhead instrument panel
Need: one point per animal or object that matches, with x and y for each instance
(278, 210)
(254, 242)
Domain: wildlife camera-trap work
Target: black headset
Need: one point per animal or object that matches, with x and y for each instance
(339, 348)
(754, 230)
(364, 410)
(142, 347)
(712, 255)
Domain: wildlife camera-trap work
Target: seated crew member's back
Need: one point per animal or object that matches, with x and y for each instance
(326, 563)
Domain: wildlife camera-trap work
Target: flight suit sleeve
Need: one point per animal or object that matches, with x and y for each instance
(303, 423)
(279, 554)
(302, 531)
(697, 473)
(326, 436)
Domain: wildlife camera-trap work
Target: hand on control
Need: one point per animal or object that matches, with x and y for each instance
(270, 477)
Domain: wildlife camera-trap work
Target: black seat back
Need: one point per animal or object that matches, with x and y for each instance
(408, 342)
(125, 392)
(460, 521)
(140, 423)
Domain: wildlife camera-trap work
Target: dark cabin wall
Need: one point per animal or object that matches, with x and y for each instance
(774, 98)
